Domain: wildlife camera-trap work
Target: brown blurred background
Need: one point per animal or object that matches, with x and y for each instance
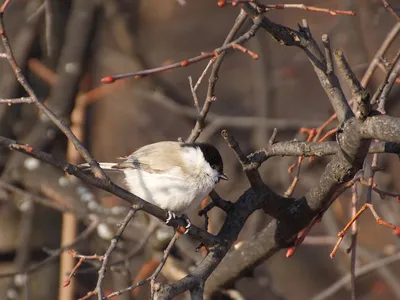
(281, 86)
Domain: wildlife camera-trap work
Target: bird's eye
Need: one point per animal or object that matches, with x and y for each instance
(214, 167)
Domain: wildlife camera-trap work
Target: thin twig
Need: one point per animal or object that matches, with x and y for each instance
(110, 249)
(35, 267)
(386, 82)
(167, 251)
(35, 198)
(210, 98)
(332, 12)
(387, 88)
(379, 191)
(246, 51)
(184, 63)
(368, 73)
(194, 88)
(269, 7)
(139, 247)
(371, 178)
(381, 52)
(378, 219)
(86, 257)
(359, 272)
(73, 271)
(290, 190)
(194, 94)
(155, 273)
(98, 172)
(49, 27)
(353, 245)
(391, 10)
(252, 174)
(17, 100)
(23, 252)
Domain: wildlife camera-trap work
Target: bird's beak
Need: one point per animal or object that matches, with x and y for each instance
(223, 177)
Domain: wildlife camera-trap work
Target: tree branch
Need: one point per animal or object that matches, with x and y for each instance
(212, 81)
(384, 128)
(303, 39)
(197, 233)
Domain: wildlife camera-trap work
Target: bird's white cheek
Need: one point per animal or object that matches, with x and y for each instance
(215, 176)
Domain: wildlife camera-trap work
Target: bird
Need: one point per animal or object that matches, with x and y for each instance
(173, 175)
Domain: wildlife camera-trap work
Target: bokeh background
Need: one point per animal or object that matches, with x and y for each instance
(280, 87)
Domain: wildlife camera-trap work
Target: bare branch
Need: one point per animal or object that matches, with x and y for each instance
(391, 36)
(212, 81)
(80, 238)
(332, 12)
(17, 100)
(37, 199)
(24, 83)
(109, 186)
(386, 84)
(391, 10)
(360, 95)
(304, 40)
(384, 128)
(328, 54)
(153, 277)
(252, 174)
(111, 248)
(196, 293)
(372, 266)
(49, 26)
(215, 53)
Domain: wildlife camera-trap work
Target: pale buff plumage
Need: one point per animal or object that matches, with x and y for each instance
(168, 175)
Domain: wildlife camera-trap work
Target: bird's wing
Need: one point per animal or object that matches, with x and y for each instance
(154, 158)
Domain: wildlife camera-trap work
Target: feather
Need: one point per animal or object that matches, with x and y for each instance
(154, 158)
(105, 166)
(147, 158)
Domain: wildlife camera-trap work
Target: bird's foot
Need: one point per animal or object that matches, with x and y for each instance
(188, 223)
(172, 216)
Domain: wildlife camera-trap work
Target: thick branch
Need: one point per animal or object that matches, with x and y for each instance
(359, 94)
(384, 128)
(304, 40)
(252, 174)
(308, 149)
(294, 215)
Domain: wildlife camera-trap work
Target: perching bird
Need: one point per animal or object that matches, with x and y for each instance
(175, 176)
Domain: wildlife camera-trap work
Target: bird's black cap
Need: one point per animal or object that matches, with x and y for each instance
(211, 155)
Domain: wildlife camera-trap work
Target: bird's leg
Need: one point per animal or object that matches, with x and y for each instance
(172, 216)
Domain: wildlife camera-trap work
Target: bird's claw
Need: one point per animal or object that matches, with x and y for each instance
(172, 216)
(188, 223)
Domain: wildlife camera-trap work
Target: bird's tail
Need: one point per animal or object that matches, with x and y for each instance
(104, 165)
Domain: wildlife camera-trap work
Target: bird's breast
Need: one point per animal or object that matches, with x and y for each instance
(171, 190)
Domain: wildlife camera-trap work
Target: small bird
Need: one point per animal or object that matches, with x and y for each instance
(175, 176)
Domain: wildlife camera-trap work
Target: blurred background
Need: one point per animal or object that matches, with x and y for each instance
(87, 40)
